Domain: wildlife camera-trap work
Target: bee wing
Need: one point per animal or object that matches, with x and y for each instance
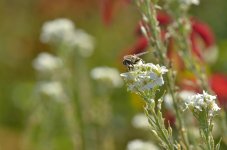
(142, 53)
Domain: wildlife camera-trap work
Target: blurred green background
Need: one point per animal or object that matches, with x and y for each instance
(20, 25)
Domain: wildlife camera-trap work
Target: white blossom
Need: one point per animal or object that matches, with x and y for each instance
(204, 101)
(58, 30)
(144, 77)
(141, 145)
(107, 75)
(52, 89)
(183, 95)
(189, 2)
(62, 31)
(83, 41)
(140, 121)
(168, 101)
(46, 63)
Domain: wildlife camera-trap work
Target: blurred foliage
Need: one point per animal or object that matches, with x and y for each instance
(20, 23)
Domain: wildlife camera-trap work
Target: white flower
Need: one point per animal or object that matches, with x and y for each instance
(107, 75)
(52, 89)
(200, 102)
(83, 41)
(144, 77)
(140, 121)
(189, 2)
(46, 63)
(141, 145)
(195, 2)
(168, 101)
(58, 30)
(183, 95)
(62, 31)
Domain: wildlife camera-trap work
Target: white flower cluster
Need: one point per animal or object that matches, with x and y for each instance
(84, 42)
(141, 145)
(107, 75)
(57, 30)
(52, 89)
(63, 31)
(183, 95)
(47, 63)
(144, 77)
(140, 121)
(190, 2)
(201, 102)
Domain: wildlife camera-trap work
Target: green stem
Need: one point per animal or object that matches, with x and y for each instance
(160, 128)
(178, 115)
(76, 86)
(148, 9)
(161, 50)
(72, 124)
(84, 98)
(72, 105)
(209, 136)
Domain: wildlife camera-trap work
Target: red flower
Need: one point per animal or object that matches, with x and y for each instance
(219, 86)
(202, 31)
(201, 37)
(107, 11)
(169, 118)
(140, 45)
(109, 7)
(163, 18)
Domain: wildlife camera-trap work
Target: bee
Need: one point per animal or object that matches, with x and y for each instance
(130, 60)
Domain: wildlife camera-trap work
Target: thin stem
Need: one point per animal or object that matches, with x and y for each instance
(76, 85)
(178, 115)
(72, 124)
(157, 124)
(158, 45)
(205, 122)
(160, 127)
(72, 105)
(84, 98)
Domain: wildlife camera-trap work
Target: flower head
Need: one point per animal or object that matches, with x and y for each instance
(51, 89)
(183, 95)
(202, 102)
(58, 30)
(140, 121)
(83, 41)
(203, 41)
(46, 63)
(107, 75)
(62, 31)
(144, 77)
(190, 2)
